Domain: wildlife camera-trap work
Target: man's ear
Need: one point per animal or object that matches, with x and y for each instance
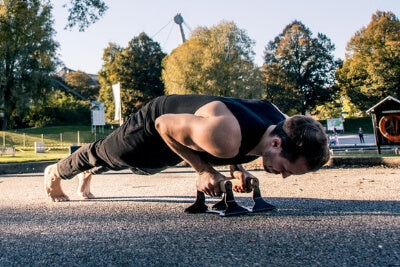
(276, 142)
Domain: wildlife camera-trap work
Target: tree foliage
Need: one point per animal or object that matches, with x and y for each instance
(58, 108)
(27, 56)
(82, 13)
(217, 61)
(371, 69)
(299, 69)
(138, 70)
(109, 76)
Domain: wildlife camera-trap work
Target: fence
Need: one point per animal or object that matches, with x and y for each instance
(24, 141)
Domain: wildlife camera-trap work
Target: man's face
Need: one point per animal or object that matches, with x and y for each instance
(274, 163)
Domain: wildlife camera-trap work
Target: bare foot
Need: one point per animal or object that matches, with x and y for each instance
(84, 185)
(52, 184)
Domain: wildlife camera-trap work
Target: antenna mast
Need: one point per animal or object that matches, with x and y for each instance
(179, 20)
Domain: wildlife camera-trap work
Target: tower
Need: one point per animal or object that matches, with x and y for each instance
(179, 20)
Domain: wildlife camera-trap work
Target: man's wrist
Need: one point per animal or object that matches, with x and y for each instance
(236, 167)
(205, 169)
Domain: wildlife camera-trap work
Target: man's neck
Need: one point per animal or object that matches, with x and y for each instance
(262, 144)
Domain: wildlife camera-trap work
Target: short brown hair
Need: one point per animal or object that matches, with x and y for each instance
(302, 136)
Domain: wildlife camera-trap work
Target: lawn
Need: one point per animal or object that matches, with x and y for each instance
(57, 140)
(56, 137)
(30, 156)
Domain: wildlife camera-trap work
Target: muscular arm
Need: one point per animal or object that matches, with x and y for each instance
(212, 129)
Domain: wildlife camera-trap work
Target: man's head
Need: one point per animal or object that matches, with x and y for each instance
(302, 142)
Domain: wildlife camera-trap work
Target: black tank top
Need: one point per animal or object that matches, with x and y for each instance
(254, 117)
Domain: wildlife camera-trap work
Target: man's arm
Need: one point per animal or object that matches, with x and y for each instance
(241, 174)
(212, 130)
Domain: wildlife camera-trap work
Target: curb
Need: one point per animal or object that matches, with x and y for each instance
(26, 167)
(390, 162)
(334, 162)
(343, 162)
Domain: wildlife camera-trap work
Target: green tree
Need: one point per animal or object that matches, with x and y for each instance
(27, 56)
(216, 60)
(138, 70)
(371, 69)
(108, 76)
(299, 69)
(83, 84)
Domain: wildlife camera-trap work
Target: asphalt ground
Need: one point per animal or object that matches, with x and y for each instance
(333, 217)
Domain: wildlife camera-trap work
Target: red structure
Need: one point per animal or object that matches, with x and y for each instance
(386, 122)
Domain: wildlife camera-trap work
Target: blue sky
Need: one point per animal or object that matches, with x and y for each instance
(263, 20)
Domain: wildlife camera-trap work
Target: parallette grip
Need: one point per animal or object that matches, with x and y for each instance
(225, 186)
(251, 182)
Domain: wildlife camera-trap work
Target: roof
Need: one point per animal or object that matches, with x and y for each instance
(388, 98)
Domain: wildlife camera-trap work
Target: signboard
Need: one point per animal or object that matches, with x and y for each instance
(98, 113)
(335, 123)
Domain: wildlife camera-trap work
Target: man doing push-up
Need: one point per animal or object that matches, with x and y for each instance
(204, 131)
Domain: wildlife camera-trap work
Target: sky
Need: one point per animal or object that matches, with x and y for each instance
(263, 20)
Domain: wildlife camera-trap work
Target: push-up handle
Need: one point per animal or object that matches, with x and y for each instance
(228, 206)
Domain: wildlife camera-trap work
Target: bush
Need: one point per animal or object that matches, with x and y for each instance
(351, 125)
(61, 109)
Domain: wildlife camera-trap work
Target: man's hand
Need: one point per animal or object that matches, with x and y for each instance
(239, 173)
(209, 182)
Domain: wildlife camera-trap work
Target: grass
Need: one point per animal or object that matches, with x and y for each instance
(53, 137)
(55, 129)
(57, 140)
(31, 156)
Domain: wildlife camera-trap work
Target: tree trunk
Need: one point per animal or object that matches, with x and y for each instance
(5, 123)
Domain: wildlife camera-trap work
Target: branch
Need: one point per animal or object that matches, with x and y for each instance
(83, 13)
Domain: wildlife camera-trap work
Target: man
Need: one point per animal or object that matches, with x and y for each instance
(204, 131)
(361, 135)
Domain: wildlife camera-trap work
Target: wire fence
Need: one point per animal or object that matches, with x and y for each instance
(25, 141)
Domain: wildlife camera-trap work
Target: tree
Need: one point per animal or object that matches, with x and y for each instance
(58, 108)
(83, 84)
(82, 13)
(371, 69)
(138, 70)
(216, 60)
(299, 69)
(109, 76)
(27, 56)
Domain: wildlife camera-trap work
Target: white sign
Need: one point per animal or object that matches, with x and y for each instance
(335, 123)
(98, 113)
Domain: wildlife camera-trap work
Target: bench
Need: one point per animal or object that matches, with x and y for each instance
(7, 150)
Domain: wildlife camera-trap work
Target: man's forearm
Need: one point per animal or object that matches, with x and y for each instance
(187, 154)
(237, 167)
(179, 137)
